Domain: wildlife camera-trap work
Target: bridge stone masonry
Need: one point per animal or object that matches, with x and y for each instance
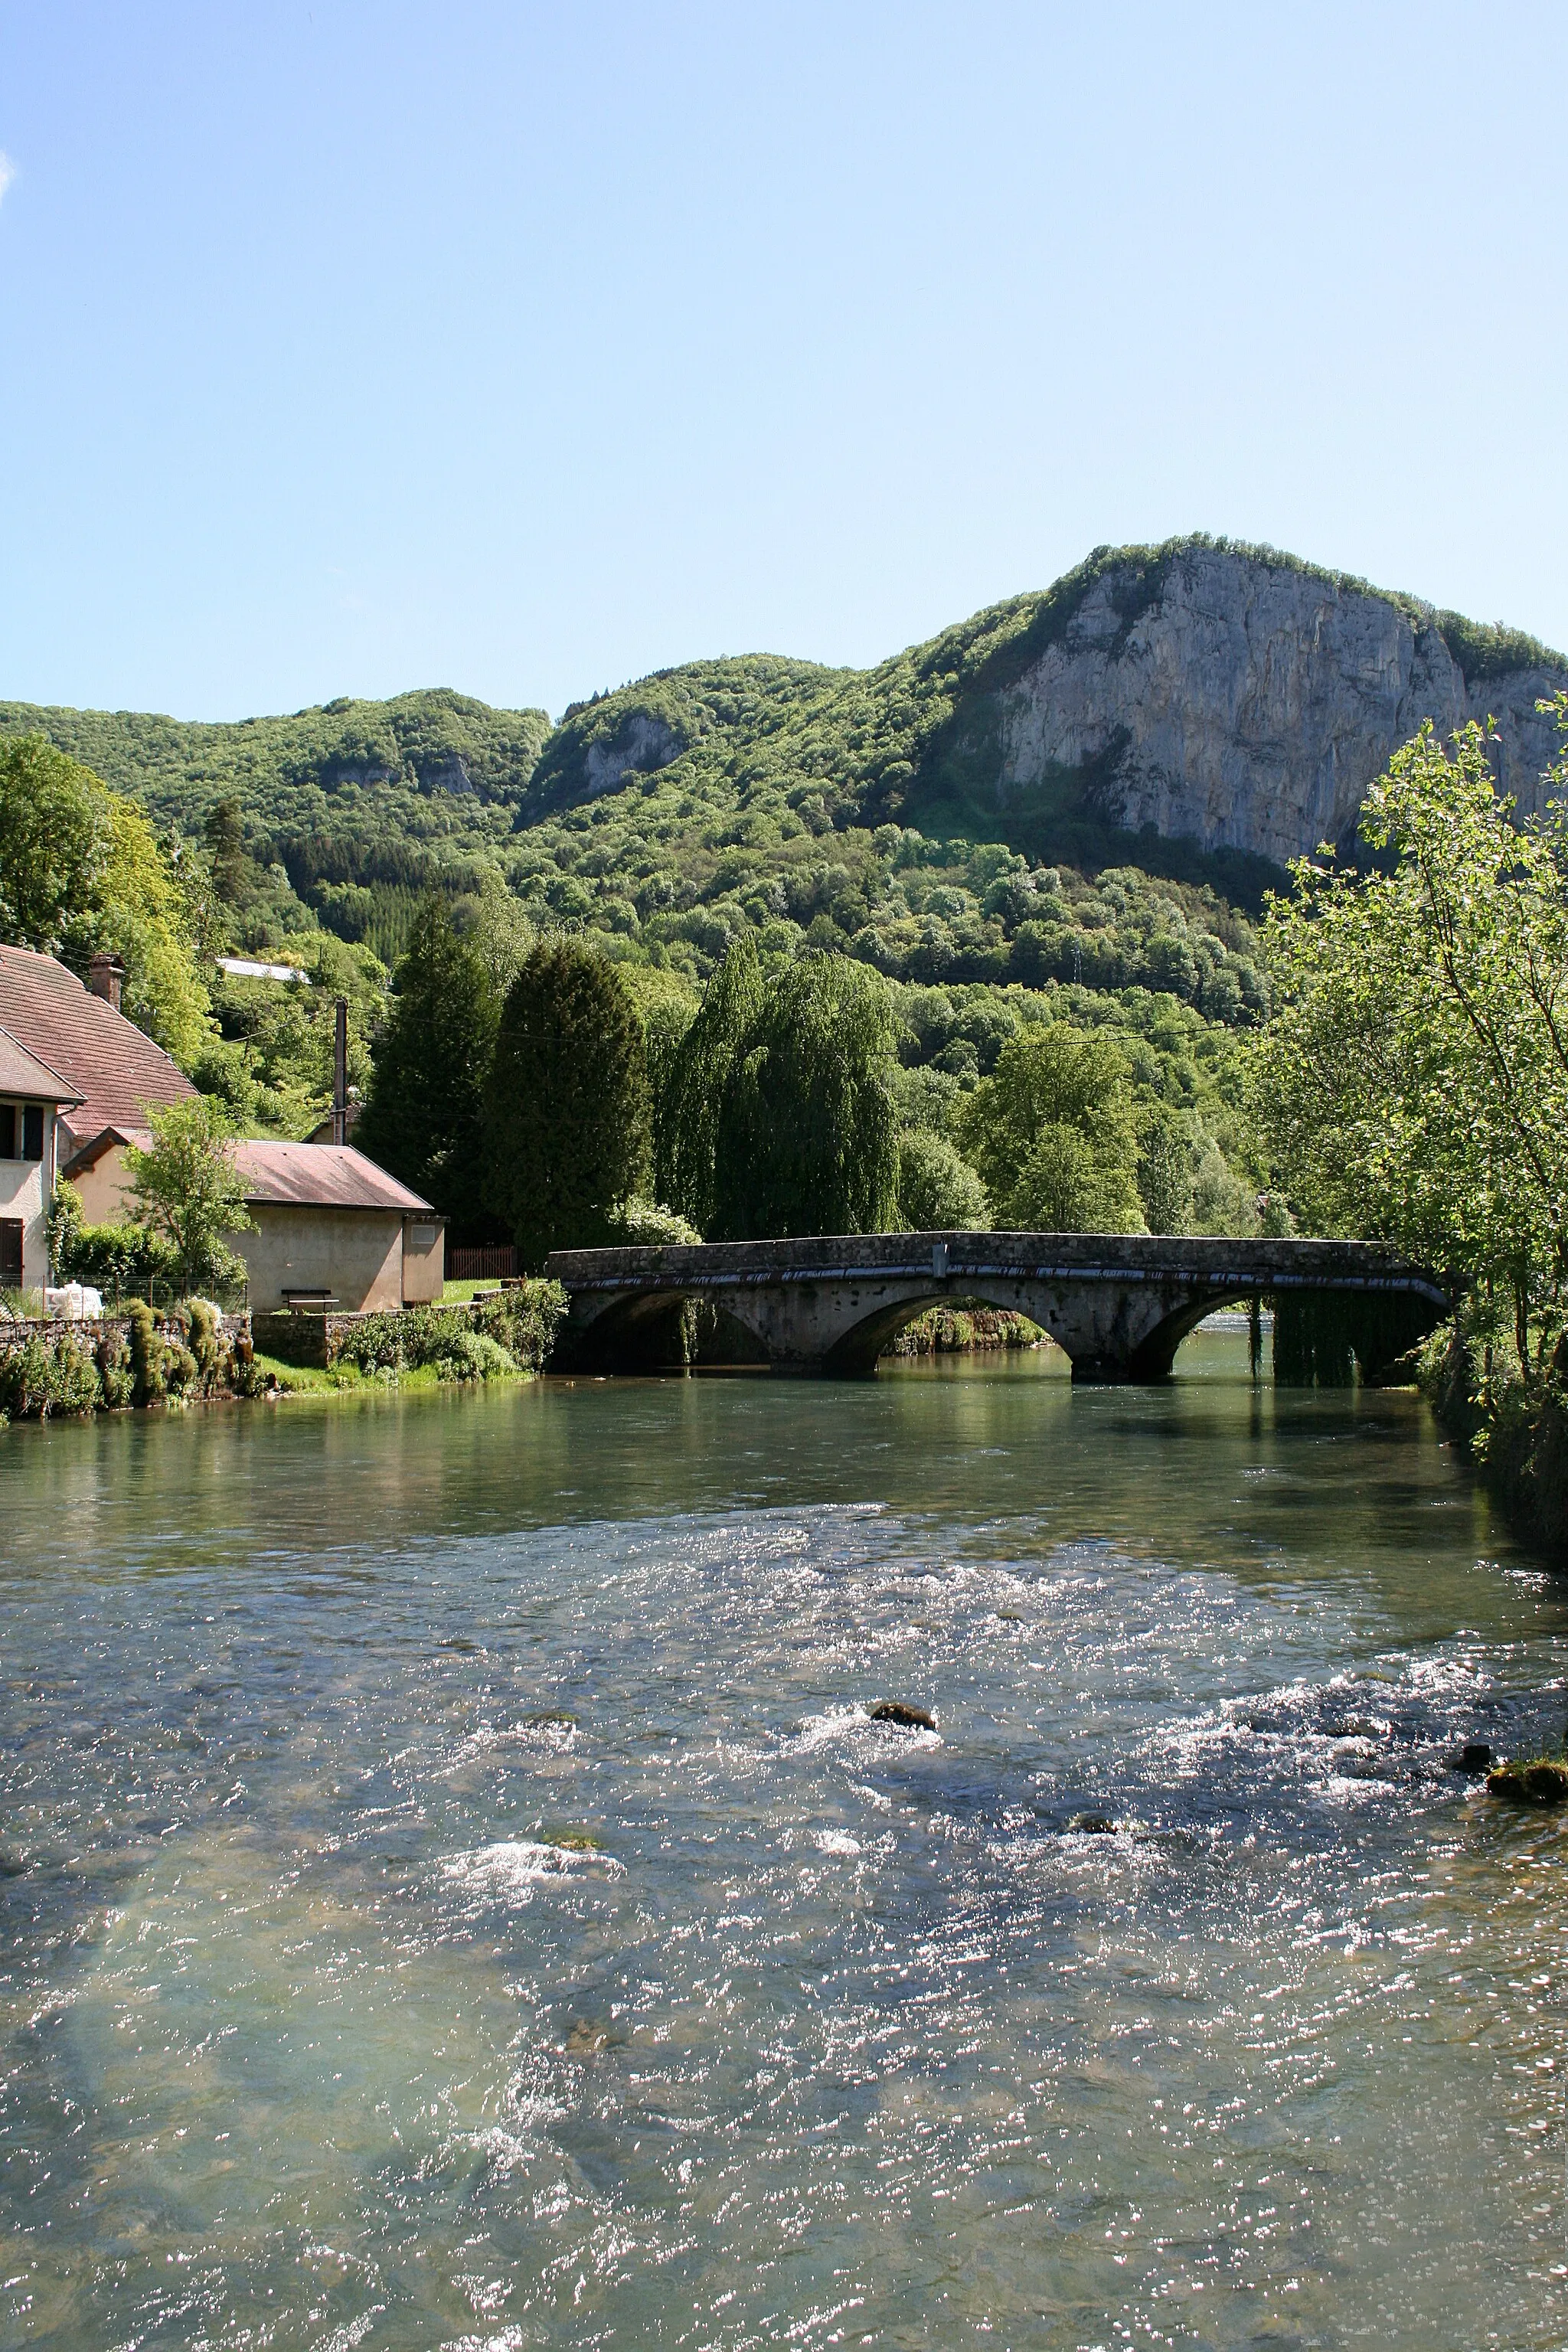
(1120, 1306)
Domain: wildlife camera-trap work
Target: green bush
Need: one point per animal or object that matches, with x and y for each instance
(115, 1372)
(517, 1329)
(47, 1375)
(115, 1258)
(147, 1353)
(475, 1355)
(637, 1223)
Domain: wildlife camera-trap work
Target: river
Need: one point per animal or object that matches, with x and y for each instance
(455, 1894)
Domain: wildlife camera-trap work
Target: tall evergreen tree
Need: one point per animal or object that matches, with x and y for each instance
(224, 834)
(567, 1108)
(806, 1135)
(424, 1115)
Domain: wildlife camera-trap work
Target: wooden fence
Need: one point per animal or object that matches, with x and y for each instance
(494, 1265)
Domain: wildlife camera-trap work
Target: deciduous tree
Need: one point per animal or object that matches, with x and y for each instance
(82, 870)
(1414, 1082)
(1052, 1134)
(185, 1189)
(806, 1135)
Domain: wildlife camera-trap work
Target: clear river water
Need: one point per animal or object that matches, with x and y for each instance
(455, 1894)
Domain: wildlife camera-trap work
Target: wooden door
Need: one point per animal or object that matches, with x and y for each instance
(10, 1252)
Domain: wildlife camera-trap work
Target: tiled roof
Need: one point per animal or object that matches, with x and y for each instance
(23, 1075)
(112, 1065)
(320, 1176)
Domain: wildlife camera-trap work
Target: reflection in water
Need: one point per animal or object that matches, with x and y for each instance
(456, 1894)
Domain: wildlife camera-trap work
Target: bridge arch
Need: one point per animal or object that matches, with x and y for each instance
(1118, 1305)
(1149, 1354)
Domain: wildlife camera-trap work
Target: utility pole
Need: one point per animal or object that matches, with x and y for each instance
(341, 1073)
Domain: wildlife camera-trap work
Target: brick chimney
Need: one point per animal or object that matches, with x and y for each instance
(106, 978)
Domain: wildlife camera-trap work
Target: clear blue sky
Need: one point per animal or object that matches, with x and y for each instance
(352, 345)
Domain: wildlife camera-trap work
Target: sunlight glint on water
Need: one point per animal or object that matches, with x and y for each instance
(456, 1894)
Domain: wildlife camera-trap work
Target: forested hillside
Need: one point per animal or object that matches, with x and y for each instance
(952, 816)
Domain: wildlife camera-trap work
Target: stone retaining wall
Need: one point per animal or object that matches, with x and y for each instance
(94, 1329)
(294, 1335)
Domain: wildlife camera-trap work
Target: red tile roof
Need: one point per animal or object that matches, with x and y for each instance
(320, 1176)
(111, 1064)
(23, 1076)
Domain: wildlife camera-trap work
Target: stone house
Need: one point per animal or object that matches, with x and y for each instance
(33, 1100)
(112, 1069)
(79, 1078)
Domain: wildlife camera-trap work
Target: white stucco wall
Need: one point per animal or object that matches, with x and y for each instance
(25, 1189)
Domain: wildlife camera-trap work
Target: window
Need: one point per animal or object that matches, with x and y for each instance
(21, 1130)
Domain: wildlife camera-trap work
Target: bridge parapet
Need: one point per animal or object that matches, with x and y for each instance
(1119, 1305)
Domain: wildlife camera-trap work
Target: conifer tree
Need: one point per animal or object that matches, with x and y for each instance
(424, 1115)
(566, 1121)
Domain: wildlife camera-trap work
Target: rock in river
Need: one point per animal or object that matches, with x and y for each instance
(912, 1719)
(1538, 1783)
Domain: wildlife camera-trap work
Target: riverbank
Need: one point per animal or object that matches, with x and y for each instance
(191, 1351)
(965, 1330)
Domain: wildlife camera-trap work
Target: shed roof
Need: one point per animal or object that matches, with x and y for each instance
(110, 1067)
(320, 1176)
(22, 1073)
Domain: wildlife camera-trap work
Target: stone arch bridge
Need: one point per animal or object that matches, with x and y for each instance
(1120, 1305)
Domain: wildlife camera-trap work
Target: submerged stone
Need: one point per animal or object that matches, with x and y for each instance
(912, 1719)
(1092, 1825)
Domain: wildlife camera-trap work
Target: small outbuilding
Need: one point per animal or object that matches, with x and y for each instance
(334, 1231)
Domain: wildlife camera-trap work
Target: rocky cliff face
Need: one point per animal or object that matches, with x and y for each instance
(1248, 703)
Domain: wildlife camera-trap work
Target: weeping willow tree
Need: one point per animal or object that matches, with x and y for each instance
(1320, 1337)
(804, 1131)
(686, 1117)
(777, 1116)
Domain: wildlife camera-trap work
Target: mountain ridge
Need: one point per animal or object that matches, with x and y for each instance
(1202, 709)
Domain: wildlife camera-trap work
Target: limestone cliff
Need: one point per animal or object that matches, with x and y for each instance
(1247, 702)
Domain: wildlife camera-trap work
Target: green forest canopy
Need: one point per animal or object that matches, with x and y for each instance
(798, 805)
